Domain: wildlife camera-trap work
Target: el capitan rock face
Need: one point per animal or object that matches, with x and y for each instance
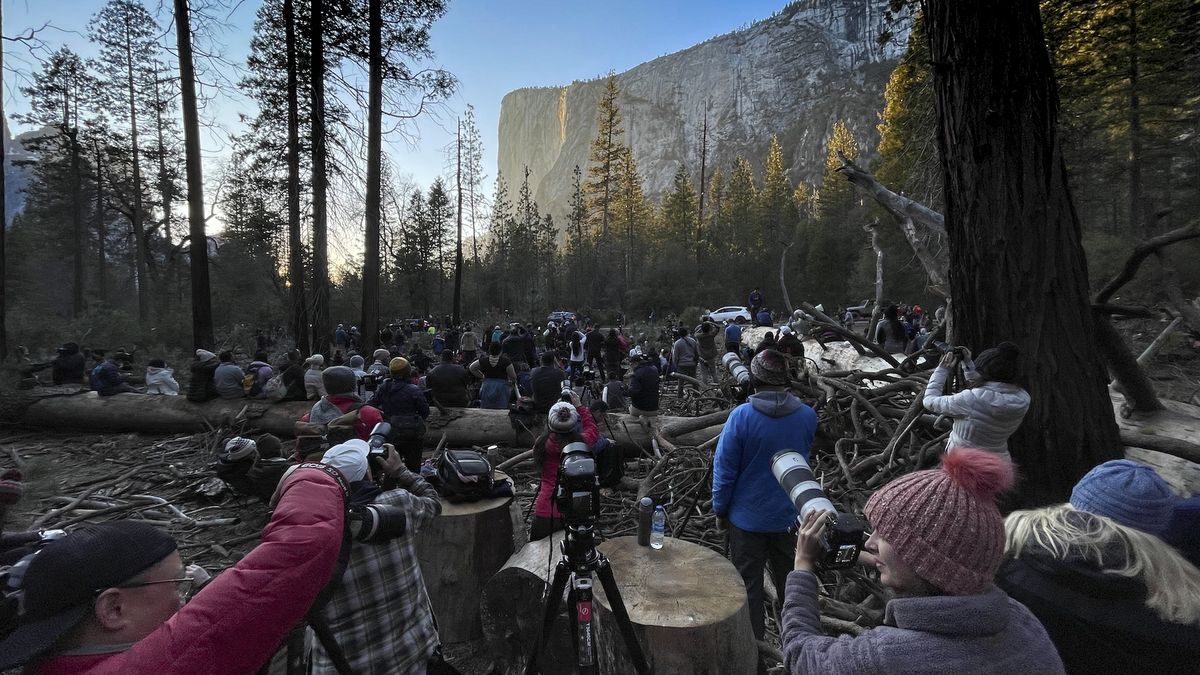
(793, 74)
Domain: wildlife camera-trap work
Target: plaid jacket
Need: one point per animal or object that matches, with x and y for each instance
(379, 611)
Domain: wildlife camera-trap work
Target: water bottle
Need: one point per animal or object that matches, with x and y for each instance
(645, 516)
(658, 528)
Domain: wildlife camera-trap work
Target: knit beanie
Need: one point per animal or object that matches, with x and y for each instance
(237, 449)
(999, 364)
(769, 367)
(339, 380)
(11, 488)
(357, 361)
(563, 417)
(381, 355)
(1132, 494)
(204, 356)
(398, 365)
(944, 522)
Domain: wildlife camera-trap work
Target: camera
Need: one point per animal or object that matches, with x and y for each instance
(577, 493)
(842, 540)
(370, 381)
(951, 349)
(566, 392)
(375, 523)
(378, 438)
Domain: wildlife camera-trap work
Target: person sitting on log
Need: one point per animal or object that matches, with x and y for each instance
(341, 398)
(292, 376)
(404, 407)
(160, 380)
(768, 342)
(567, 423)
(378, 610)
(228, 378)
(789, 344)
(449, 383)
(643, 388)
(314, 386)
(201, 388)
(989, 412)
(68, 367)
(109, 597)
(107, 380)
(937, 539)
(1113, 595)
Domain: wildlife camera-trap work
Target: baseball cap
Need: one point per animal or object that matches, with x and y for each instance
(63, 577)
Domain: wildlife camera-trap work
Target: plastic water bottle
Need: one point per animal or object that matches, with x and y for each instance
(658, 528)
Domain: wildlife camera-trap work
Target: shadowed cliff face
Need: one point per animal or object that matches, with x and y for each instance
(794, 74)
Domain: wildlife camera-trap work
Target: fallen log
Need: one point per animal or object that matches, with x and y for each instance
(463, 427)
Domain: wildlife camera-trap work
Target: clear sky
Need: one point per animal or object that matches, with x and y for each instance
(492, 47)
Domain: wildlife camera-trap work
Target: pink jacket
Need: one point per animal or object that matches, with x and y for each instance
(544, 505)
(238, 621)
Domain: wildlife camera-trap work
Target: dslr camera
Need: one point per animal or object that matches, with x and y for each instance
(566, 391)
(842, 539)
(376, 523)
(577, 492)
(949, 349)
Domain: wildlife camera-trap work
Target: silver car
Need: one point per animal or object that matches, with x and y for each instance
(729, 313)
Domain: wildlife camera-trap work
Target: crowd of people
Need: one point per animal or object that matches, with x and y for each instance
(1106, 582)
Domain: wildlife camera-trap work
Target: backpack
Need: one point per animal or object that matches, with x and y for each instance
(610, 462)
(465, 476)
(275, 389)
(250, 381)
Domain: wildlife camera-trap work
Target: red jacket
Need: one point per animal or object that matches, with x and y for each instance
(544, 505)
(238, 620)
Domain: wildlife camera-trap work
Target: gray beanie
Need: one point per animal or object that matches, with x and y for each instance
(339, 380)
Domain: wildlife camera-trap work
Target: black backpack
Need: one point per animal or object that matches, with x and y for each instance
(465, 476)
(610, 462)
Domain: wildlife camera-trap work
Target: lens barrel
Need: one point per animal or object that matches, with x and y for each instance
(373, 523)
(796, 479)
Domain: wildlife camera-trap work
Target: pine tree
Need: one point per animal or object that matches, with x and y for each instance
(776, 212)
(439, 212)
(630, 210)
(834, 236)
(604, 161)
(578, 244)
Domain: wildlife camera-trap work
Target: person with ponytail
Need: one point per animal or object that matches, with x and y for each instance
(991, 410)
(937, 541)
(1113, 595)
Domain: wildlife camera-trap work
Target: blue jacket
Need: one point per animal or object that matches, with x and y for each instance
(744, 490)
(398, 397)
(733, 333)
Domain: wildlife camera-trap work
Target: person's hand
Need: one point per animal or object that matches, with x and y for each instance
(392, 462)
(966, 353)
(808, 540)
(949, 360)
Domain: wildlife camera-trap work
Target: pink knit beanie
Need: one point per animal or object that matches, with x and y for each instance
(944, 522)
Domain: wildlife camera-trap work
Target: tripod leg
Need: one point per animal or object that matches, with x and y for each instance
(562, 573)
(609, 583)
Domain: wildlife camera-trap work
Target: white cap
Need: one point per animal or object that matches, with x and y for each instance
(350, 458)
(563, 417)
(785, 329)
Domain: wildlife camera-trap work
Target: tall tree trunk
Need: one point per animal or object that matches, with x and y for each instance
(456, 312)
(139, 230)
(101, 229)
(1017, 268)
(320, 255)
(3, 210)
(1138, 223)
(202, 321)
(370, 282)
(299, 313)
(165, 185)
(700, 213)
(79, 241)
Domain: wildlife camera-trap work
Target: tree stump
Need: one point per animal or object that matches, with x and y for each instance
(458, 552)
(511, 610)
(688, 608)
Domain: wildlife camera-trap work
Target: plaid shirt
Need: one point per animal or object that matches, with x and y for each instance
(380, 612)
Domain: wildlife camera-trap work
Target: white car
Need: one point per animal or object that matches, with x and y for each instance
(730, 313)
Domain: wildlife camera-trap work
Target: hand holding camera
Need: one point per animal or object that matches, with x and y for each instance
(809, 539)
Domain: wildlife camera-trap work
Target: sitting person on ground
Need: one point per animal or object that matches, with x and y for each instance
(499, 378)
(379, 611)
(228, 378)
(890, 334)
(314, 386)
(763, 317)
(260, 373)
(768, 342)
(108, 597)
(937, 539)
(1113, 595)
(566, 423)
(404, 407)
(989, 412)
(107, 380)
(546, 382)
(449, 382)
(341, 399)
(643, 387)
(69, 366)
(160, 379)
(789, 344)
(293, 377)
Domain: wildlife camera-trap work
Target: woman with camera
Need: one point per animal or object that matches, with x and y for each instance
(568, 422)
(990, 411)
(937, 541)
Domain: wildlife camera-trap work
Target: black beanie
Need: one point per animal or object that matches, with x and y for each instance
(999, 364)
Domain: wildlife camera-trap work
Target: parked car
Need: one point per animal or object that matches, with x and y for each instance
(729, 313)
(862, 310)
(561, 317)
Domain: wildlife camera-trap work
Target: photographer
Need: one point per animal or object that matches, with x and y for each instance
(988, 413)
(378, 610)
(404, 407)
(107, 597)
(568, 423)
(938, 539)
(746, 496)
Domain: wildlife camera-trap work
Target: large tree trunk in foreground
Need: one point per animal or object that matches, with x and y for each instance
(1017, 269)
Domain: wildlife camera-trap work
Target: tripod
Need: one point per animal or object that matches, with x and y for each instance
(580, 560)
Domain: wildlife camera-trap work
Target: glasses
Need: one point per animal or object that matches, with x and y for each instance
(183, 586)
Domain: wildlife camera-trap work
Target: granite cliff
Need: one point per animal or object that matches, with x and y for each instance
(793, 74)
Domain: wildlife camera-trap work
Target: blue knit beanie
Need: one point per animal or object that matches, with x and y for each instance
(1132, 494)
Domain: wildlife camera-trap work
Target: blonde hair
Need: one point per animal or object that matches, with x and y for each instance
(1172, 583)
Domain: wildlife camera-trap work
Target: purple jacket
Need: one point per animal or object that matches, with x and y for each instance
(985, 633)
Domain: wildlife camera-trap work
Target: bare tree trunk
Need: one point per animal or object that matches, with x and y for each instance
(202, 322)
(370, 281)
(139, 230)
(299, 313)
(700, 213)
(165, 185)
(456, 312)
(3, 212)
(873, 229)
(787, 298)
(80, 234)
(1137, 222)
(320, 255)
(101, 228)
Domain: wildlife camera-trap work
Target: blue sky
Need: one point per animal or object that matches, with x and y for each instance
(493, 48)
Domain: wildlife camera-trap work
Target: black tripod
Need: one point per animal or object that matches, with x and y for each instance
(580, 559)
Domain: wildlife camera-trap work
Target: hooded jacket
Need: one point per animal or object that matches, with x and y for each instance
(984, 416)
(744, 490)
(160, 381)
(643, 387)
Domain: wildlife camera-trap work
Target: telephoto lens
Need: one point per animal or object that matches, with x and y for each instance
(373, 523)
(566, 391)
(842, 540)
(378, 437)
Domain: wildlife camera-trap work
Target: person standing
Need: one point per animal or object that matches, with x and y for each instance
(755, 301)
(685, 354)
(990, 411)
(499, 378)
(747, 499)
(706, 336)
(733, 337)
(404, 407)
(593, 344)
(546, 382)
(468, 345)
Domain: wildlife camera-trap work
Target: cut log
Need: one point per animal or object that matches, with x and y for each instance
(511, 611)
(463, 427)
(459, 551)
(687, 605)
(1172, 430)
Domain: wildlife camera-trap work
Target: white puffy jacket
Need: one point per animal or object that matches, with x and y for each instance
(984, 416)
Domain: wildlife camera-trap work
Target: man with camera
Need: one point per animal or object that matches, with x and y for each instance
(746, 497)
